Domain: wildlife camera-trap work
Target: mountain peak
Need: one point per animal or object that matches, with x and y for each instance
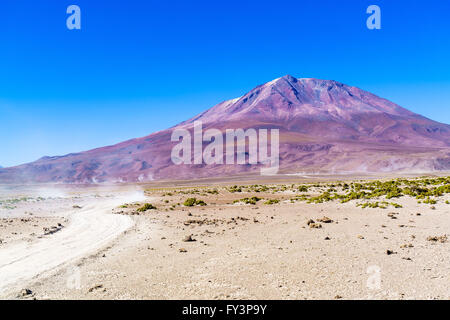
(286, 78)
(287, 98)
(289, 78)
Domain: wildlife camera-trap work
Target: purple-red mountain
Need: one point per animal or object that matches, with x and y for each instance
(325, 127)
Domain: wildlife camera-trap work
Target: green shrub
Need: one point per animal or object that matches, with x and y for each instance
(428, 200)
(252, 200)
(145, 207)
(190, 202)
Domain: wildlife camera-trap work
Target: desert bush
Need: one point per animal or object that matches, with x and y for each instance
(252, 200)
(145, 207)
(190, 202)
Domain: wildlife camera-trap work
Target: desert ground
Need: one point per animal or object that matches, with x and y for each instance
(297, 238)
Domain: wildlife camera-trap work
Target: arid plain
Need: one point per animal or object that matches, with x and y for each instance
(301, 238)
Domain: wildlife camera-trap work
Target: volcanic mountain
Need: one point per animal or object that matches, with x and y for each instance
(325, 127)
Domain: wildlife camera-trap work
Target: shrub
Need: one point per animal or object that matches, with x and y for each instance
(429, 201)
(190, 202)
(145, 207)
(252, 200)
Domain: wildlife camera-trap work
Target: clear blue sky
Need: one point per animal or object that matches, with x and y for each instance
(139, 66)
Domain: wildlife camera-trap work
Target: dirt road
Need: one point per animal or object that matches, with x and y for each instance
(90, 228)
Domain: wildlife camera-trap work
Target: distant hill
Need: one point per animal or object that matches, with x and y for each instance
(325, 127)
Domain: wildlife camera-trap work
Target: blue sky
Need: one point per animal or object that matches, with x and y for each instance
(139, 66)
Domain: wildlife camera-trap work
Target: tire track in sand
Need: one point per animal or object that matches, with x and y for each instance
(89, 229)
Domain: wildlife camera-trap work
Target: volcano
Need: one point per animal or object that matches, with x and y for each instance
(326, 127)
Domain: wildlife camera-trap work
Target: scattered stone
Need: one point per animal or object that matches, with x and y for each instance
(182, 250)
(325, 220)
(26, 292)
(315, 225)
(99, 286)
(360, 237)
(392, 215)
(76, 207)
(409, 245)
(441, 239)
(408, 259)
(188, 239)
(337, 297)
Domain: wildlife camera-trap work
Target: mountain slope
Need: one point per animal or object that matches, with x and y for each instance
(325, 126)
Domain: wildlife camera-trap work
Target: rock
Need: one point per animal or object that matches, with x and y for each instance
(327, 238)
(315, 225)
(392, 215)
(441, 239)
(183, 250)
(360, 237)
(188, 239)
(310, 221)
(26, 292)
(389, 252)
(325, 220)
(99, 286)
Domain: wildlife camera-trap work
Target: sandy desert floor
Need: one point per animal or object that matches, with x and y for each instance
(94, 243)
